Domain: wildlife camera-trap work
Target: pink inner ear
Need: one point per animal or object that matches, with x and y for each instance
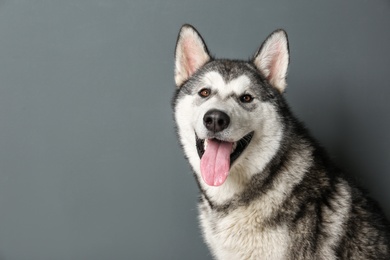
(275, 62)
(192, 59)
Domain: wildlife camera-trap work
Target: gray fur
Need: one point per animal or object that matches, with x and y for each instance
(298, 205)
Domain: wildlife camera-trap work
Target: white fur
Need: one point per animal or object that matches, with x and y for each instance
(241, 235)
(254, 158)
(236, 86)
(222, 101)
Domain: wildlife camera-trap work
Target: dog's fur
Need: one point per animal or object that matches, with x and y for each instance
(281, 197)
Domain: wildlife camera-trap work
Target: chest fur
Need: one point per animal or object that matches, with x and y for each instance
(242, 234)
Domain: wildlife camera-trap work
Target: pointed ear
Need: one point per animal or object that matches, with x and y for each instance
(191, 54)
(272, 59)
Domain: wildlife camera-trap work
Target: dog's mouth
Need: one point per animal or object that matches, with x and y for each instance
(217, 156)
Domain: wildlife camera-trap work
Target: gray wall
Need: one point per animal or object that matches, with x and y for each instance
(89, 163)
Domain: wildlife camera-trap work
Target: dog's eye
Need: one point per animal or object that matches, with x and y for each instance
(204, 92)
(246, 98)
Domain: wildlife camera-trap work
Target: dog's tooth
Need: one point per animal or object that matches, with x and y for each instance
(205, 144)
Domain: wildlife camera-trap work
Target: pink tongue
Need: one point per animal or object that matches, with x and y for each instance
(215, 162)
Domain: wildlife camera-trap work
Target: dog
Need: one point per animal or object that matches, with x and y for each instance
(268, 190)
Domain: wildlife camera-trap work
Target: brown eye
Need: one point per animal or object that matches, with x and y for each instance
(204, 92)
(246, 98)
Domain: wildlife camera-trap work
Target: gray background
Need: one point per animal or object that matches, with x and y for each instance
(89, 163)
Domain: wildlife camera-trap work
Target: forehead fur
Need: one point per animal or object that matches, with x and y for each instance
(237, 86)
(232, 77)
(231, 69)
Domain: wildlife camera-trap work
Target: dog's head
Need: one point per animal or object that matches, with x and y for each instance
(227, 110)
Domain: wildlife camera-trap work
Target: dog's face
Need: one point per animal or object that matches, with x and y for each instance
(225, 110)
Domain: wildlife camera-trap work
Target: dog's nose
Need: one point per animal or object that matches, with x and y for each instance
(216, 120)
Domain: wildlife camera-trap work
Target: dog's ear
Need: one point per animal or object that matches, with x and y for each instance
(272, 59)
(191, 54)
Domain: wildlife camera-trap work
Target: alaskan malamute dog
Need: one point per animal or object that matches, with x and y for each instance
(268, 190)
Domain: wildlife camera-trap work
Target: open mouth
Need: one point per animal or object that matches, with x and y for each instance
(237, 149)
(217, 156)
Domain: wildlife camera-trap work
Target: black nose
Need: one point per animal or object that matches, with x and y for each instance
(216, 120)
